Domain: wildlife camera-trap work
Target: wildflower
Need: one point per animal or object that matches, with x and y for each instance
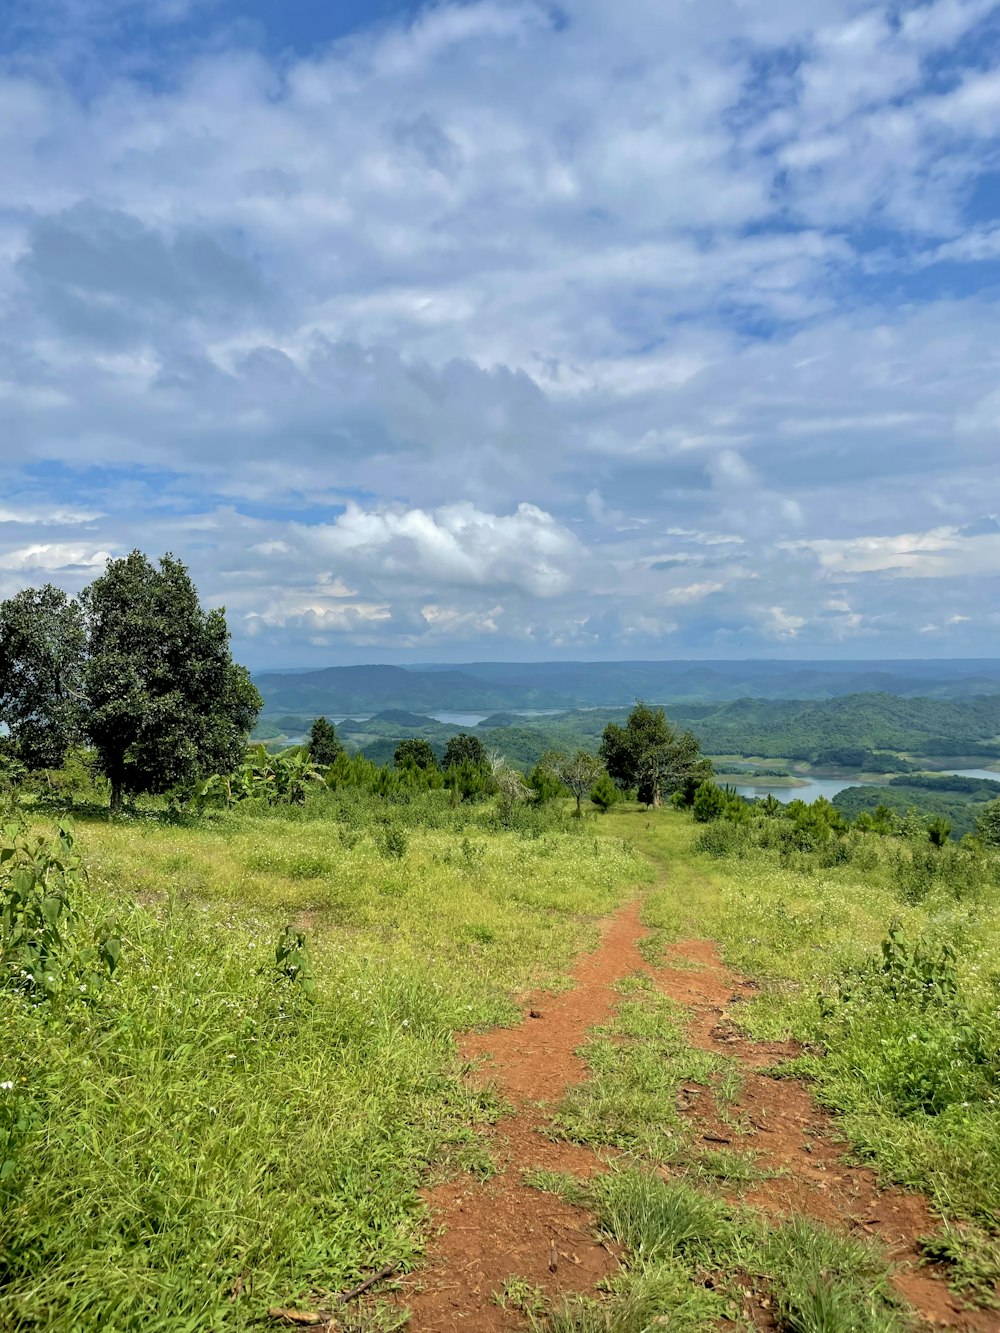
(7, 1086)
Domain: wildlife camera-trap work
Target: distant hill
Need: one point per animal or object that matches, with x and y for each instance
(500, 687)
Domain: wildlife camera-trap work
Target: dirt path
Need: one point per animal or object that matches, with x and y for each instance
(502, 1228)
(778, 1120)
(487, 1232)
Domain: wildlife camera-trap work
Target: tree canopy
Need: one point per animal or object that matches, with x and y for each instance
(651, 756)
(414, 753)
(41, 677)
(324, 743)
(464, 749)
(136, 667)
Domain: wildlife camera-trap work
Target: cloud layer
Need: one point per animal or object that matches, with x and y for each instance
(495, 329)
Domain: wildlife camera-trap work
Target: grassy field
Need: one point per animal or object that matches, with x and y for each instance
(200, 1137)
(241, 1117)
(902, 1031)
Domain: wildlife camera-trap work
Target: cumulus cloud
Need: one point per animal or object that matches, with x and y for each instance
(491, 323)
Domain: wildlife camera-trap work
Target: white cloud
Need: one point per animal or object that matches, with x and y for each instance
(551, 305)
(455, 544)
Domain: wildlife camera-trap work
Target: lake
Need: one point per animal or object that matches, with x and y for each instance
(828, 787)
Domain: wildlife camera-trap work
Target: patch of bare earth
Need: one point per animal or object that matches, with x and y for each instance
(485, 1232)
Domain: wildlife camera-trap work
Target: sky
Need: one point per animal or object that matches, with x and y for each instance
(510, 329)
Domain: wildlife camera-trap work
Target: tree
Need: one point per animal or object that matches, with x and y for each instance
(938, 830)
(578, 772)
(324, 743)
(605, 794)
(137, 668)
(650, 755)
(544, 783)
(41, 685)
(415, 753)
(509, 784)
(710, 803)
(988, 824)
(464, 749)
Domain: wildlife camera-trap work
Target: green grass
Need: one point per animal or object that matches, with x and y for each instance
(637, 1065)
(905, 1053)
(204, 1141)
(693, 1260)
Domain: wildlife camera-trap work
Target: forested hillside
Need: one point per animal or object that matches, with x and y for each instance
(485, 686)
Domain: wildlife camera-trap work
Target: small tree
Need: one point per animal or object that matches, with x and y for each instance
(415, 753)
(988, 824)
(544, 783)
(510, 786)
(464, 749)
(938, 830)
(604, 793)
(324, 743)
(577, 771)
(710, 803)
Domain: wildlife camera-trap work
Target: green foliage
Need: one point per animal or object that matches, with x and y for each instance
(904, 1020)
(414, 753)
(41, 685)
(709, 802)
(291, 961)
(649, 755)
(324, 743)
(45, 953)
(464, 750)
(277, 779)
(604, 793)
(137, 667)
(938, 830)
(544, 783)
(988, 824)
(971, 1258)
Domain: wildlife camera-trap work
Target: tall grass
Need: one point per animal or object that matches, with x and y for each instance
(206, 1138)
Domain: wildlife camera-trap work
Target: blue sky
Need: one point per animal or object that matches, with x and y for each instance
(502, 329)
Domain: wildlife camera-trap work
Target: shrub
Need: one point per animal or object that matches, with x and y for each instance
(604, 793)
(46, 949)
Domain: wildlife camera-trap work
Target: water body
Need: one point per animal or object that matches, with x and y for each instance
(474, 719)
(828, 787)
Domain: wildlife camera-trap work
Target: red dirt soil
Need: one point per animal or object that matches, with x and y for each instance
(487, 1232)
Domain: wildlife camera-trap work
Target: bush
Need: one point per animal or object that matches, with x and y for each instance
(604, 793)
(901, 1023)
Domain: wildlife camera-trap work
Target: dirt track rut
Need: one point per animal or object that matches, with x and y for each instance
(486, 1232)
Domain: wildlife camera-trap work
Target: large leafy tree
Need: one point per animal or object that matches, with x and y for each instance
(651, 756)
(41, 685)
(145, 675)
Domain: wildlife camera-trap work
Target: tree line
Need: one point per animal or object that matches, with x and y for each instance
(137, 671)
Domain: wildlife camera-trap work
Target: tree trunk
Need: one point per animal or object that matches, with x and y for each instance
(117, 796)
(579, 810)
